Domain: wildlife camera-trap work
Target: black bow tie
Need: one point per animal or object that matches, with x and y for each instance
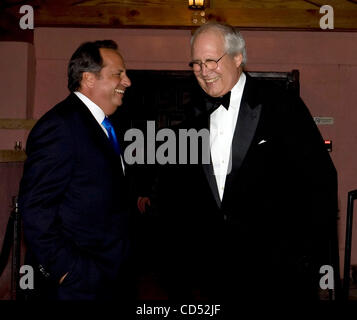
(214, 102)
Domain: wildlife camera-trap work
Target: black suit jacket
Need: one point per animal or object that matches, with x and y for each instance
(73, 200)
(276, 224)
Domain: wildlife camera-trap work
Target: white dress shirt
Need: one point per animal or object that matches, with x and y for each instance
(97, 113)
(222, 127)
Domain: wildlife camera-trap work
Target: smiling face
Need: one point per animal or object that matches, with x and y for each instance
(107, 88)
(211, 45)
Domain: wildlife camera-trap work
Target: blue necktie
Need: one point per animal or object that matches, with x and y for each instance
(111, 135)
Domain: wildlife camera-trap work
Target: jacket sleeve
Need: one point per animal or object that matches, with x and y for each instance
(47, 172)
(316, 178)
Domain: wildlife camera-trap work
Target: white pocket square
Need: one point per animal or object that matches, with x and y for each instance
(262, 141)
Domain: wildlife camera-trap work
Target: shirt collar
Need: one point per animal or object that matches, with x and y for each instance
(95, 110)
(237, 92)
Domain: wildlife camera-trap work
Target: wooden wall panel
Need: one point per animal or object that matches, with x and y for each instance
(246, 14)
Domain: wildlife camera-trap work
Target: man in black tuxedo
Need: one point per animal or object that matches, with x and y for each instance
(73, 194)
(259, 220)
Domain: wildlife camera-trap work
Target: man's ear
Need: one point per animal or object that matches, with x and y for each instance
(238, 58)
(88, 79)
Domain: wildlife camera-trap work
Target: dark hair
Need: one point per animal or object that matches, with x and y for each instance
(86, 58)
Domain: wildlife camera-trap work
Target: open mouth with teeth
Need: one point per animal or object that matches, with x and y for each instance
(119, 91)
(212, 80)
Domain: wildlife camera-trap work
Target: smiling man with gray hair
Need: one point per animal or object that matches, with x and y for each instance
(261, 217)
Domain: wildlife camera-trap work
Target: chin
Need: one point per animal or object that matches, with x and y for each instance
(214, 93)
(111, 110)
(117, 103)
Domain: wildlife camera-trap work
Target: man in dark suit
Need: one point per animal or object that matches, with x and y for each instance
(73, 194)
(259, 221)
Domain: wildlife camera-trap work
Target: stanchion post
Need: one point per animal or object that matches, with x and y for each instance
(352, 195)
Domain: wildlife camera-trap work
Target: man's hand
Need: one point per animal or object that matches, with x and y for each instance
(142, 203)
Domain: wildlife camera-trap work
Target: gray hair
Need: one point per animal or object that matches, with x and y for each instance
(234, 41)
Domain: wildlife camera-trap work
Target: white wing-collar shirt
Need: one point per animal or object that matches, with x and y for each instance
(222, 127)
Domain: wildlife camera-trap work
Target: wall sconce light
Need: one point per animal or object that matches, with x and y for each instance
(199, 14)
(196, 4)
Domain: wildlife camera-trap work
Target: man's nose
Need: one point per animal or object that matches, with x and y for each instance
(204, 69)
(126, 81)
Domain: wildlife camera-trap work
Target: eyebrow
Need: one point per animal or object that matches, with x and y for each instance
(198, 60)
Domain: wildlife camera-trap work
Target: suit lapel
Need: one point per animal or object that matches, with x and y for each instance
(96, 133)
(203, 122)
(244, 132)
(248, 118)
(211, 179)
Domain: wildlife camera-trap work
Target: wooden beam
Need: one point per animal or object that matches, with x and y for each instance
(213, 4)
(12, 156)
(245, 14)
(112, 17)
(16, 124)
(283, 4)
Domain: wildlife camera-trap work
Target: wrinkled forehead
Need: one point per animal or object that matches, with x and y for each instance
(208, 41)
(208, 38)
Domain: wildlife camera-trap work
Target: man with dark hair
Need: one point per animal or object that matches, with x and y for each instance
(259, 221)
(73, 194)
